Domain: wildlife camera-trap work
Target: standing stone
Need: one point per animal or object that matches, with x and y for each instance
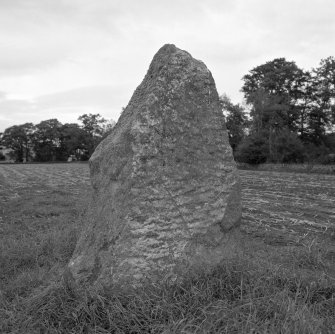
(165, 187)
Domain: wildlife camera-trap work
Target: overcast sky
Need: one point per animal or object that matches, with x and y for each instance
(63, 58)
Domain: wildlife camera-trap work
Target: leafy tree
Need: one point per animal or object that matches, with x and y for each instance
(93, 125)
(273, 90)
(289, 104)
(19, 139)
(236, 121)
(50, 140)
(305, 98)
(73, 141)
(330, 141)
(47, 140)
(287, 148)
(322, 111)
(283, 146)
(253, 149)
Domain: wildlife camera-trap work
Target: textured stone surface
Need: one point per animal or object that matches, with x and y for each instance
(165, 185)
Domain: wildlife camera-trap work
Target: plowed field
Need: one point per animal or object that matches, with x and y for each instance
(280, 207)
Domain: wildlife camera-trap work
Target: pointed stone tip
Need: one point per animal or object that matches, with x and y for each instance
(168, 47)
(164, 55)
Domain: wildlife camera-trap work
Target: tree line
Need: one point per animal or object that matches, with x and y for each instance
(50, 140)
(289, 115)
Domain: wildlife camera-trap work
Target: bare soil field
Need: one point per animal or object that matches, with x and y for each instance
(17, 180)
(288, 228)
(294, 168)
(287, 206)
(34, 197)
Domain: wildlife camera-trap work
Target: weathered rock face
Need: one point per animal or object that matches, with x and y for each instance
(165, 185)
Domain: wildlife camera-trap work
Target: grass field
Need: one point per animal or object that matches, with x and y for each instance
(283, 283)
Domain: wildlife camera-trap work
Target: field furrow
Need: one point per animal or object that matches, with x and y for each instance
(292, 204)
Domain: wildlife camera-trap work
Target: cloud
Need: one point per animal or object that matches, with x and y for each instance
(66, 106)
(3, 95)
(36, 35)
(15, 112)
(64, 56)
(92, 96)
(291, 27)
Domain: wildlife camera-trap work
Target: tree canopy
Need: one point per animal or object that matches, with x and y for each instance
(50, 140)
(292, 112)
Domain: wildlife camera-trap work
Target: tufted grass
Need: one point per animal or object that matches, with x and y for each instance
(236, 297)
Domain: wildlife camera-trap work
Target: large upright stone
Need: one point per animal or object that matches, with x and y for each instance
(165, 185)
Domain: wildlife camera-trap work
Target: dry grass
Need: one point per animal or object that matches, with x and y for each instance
(287, 208)
(283, 283)
(290, 167)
